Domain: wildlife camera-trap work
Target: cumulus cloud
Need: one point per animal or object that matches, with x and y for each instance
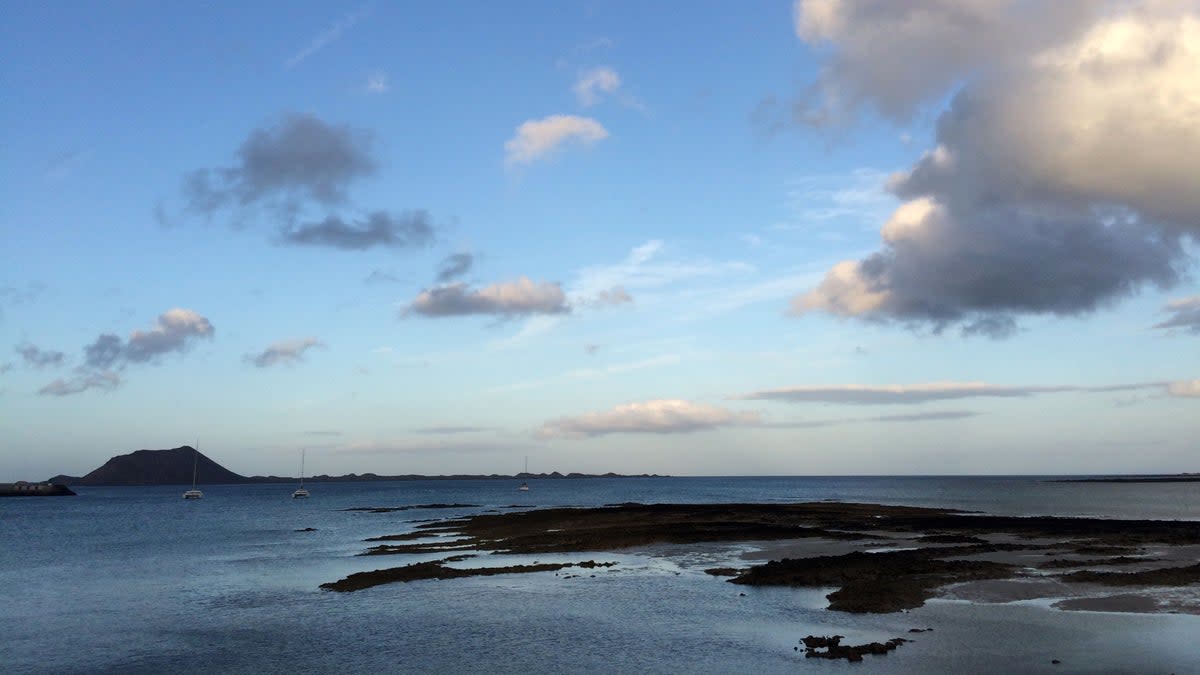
(867, 394)
(284, 352)
(301, 157)
(1185, 389)
(521, 297)
(538, 139)
(383, 229)
(943, 42)
(594, 83)
(81, 382)
(1061, 178)
(174, 331)
(1185, 315)
(454, 266)
(39, 358)
(657, 417)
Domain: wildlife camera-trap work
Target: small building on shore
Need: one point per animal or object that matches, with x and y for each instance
(23, 488)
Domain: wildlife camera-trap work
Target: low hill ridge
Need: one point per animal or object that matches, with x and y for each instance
(174, 467)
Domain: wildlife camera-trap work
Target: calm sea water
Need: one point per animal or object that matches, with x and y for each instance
(138, 580)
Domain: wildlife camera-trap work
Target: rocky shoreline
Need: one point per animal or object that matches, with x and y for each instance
(898, 556)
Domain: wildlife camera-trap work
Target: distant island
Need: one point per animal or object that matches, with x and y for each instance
(1170, 478)
(174, 467)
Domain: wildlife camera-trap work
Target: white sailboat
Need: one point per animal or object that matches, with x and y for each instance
(525, 486)
(300, 492)
(194, 493)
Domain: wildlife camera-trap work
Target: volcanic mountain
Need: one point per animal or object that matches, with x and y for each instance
(156, 467)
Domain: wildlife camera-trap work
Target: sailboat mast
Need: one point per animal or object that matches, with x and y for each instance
(301, 467)
(195, 463)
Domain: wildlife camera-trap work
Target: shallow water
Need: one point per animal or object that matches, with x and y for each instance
(138, 580)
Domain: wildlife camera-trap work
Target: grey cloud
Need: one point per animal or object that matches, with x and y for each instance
(926, 416)
(931, 416)
(452, 430)
(301, 157)
(861, 394)
(454, 266)
(383, 229)
(1030, 203)
(81, 382)
(1185, 315)
(104, 352)
(522, 297)
(285, 352)
(39, 358)
(5, 367)
(381, 277)
(174, 331)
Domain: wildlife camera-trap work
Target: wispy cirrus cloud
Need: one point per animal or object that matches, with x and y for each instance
(283, 352)
(540, 139)
(595, 83)
(328, 36)
(655, 417)
(82, 381)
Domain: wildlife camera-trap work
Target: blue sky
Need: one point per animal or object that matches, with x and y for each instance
(820, 238)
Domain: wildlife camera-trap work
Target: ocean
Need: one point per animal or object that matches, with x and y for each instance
(137, 580)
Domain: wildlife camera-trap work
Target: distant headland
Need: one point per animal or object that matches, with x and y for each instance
(174, 467)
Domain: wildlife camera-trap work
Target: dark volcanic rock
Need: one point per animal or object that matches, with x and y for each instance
(436, 570)
(390, 509)
(1166, 576)
(834, 649)
(876, 582)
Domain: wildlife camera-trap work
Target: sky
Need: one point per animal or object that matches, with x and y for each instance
(810, 238)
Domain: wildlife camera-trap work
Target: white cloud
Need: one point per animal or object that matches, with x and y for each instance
(521, 297)
(658, 417)
(595, 82)
(1185, 389)
(537, 139)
